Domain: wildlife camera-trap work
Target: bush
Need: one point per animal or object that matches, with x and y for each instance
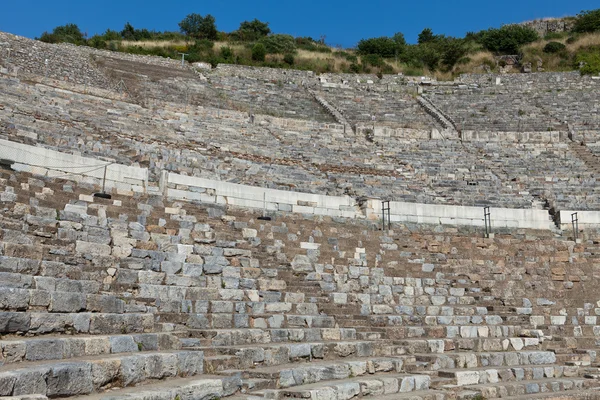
(226, 52)
(554, 47)
(587, 21)
(280, 44)
(197, 26)
(508, 39)
(288, 59)
(381, 46)
(68, 33)
(250, 31)
(259, 52)
(589, 61)
(372, 59)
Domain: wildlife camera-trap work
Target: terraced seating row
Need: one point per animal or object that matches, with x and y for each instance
(436, 332)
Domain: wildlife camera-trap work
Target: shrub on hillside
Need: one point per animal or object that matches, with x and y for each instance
(68, 33)
(288, 59)
(508, 39)
(279, 44)
(554, 47)
(250, 31)
(381, 46)
(199, 27)
(372, 59)
(259, 52)
(588, 61)
(587, 21)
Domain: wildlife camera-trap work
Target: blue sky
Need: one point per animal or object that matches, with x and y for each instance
(342, 22)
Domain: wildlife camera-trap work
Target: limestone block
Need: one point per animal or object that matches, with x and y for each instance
(517, 343)
(347, 390)
(122, 344)
(340, 298)
(92, 249)
(327, 393)
(248, 233)
(390, 385)
(160, 366)
(408, 384)
(542, 357)
(371, 387)
(104, 372)
(69, 379)
(464, 378)
(32, 381)
(63, 302)
(272, 285)
(422, 382)
(44, 350)
(301, 263)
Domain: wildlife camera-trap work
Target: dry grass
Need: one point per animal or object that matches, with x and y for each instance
(558, 62)
(147, 44)
(590, 39)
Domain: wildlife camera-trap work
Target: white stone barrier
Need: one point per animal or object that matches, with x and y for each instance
(51, 163)
(46, 162)
(586, 219)
(439, 214)
(219, 192)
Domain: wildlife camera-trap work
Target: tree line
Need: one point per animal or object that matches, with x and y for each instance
(254, 41)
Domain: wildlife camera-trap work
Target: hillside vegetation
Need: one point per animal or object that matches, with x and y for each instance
(439, 55)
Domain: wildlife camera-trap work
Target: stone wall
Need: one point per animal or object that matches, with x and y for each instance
(550, 25)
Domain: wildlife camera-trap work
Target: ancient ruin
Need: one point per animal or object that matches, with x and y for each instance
(172, 233)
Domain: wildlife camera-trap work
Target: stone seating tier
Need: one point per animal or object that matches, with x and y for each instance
(167, 281)
(309, 158)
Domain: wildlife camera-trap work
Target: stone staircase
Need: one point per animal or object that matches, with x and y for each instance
(335, 113)
(445, 121)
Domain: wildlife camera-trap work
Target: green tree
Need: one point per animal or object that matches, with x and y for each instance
(452, 51)
(508, 39)
(587, 21)
(259, 52)
(69, 33)
(250, 31)
(399, 39)
(279, 43)
(199, 27)
(382, 46)
(128, 32)
(426, 36)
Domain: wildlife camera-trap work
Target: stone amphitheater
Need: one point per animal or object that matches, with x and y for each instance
(251, 233)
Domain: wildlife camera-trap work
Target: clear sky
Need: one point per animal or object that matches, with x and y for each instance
(342, 22)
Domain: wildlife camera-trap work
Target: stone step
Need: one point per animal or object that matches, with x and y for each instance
(282, 353)
(234, 337)
(452, 360)
(199, 387)
(362, 386)
(464, 331)
(49, 347)
(414, 346)
(34, 323)
(416, 395)
(482, 375)
(79, 376)
(309, 372)
(589, 394)
(14, 299)
(523, 389)
(232, 320)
